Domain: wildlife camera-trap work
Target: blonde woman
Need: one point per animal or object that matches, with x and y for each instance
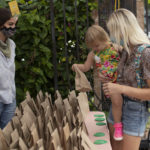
(123, 26)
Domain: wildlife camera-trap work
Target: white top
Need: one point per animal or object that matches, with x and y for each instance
(97, 59)
(7, 76)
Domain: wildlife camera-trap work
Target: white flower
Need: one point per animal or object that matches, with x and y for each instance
(69, 41)
(22, 59)
(72, 46)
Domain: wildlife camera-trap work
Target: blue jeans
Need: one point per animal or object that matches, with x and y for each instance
(134, 117)
(6, 113)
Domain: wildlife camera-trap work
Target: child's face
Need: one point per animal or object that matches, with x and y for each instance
(98, 45)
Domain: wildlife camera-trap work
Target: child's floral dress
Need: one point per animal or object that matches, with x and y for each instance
(107, 61)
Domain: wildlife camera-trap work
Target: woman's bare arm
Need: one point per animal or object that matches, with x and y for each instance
(139, 93)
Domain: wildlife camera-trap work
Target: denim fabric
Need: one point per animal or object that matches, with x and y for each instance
(6, 113)
(134, 117)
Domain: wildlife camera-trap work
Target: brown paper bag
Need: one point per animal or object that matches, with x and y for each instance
(73, 137)
(79, 117)
(38, 103)
(40, 126)
(83, 103)
(3, 143)
(67, 105)
(65, 135)
(7, 132)
(27, 135)
(28, 109)
(86, 142)
(33, 148)
(75, 148)
(66, 132)
(34, 133)
(56, 139)
(15, 135)
(16, 124)
(59, 107)
(81, 82)
(28, 117)
(41, 148)
(59, 148)
(84, 145)
(69, 119)
(40, 143)
(22, 145)
(41, 96)
(58, 95)
(50, 125)
(50, 102)
(14, 144)
(23, 104)
(28, 97)
(32, 105)
(79, 138)
(64, 120)
(18, 112)
(47, 114)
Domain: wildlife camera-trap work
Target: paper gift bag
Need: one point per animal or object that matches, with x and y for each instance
(81, 82)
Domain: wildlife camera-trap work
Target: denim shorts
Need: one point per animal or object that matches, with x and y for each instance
(6, 113)
(134, 117)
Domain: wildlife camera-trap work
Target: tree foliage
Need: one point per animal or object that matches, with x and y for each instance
(34, 67)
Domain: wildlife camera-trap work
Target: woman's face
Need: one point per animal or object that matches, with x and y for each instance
(11, 23)
(8, 29)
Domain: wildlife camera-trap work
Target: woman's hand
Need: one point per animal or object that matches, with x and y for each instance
(112, 88)
(117, 47)
(102, 77)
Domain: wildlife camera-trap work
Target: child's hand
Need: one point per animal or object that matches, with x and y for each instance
(74, 66)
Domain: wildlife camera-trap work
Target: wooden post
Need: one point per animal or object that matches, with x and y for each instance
(140, 12)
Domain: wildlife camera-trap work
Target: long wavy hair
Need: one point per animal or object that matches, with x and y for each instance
(123, 26)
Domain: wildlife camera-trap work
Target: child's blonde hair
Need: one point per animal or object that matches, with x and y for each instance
(96, 32)
(123, 25)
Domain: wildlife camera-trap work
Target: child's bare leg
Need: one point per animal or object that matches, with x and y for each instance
(117, 102)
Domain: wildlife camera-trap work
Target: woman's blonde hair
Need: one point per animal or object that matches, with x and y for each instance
(96, 32)
(123, 25)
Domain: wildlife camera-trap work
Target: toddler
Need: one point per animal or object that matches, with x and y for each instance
(106, 59)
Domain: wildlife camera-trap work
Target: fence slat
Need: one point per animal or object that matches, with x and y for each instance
(146, 8)
(129, 4)
(76, 23)
(54, 44)
(87, 13)
(99, 4)
(65, 44)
